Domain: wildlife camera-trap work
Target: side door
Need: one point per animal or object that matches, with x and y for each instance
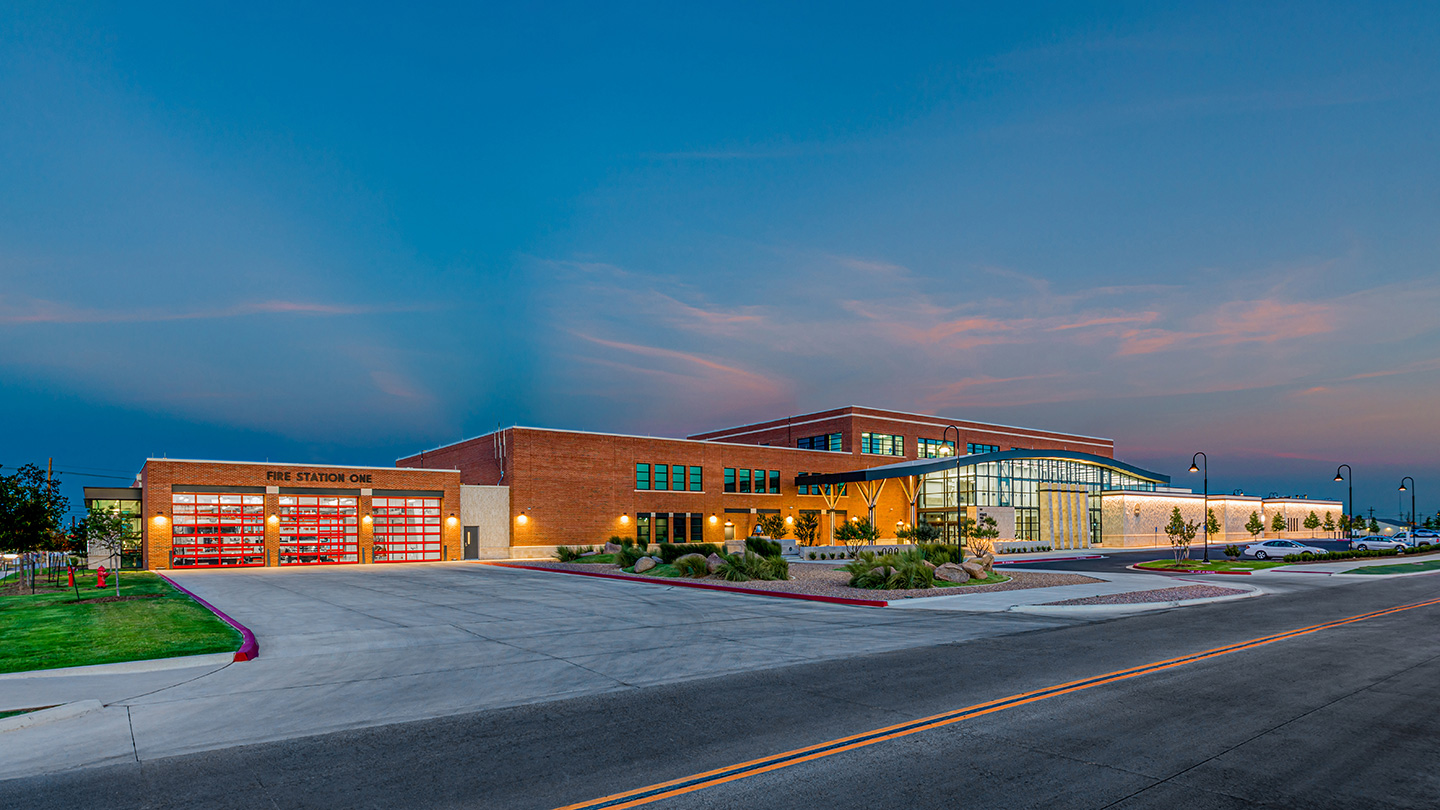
(472, 542)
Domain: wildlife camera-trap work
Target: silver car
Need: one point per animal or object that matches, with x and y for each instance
(1375, 543)
(1280, 548)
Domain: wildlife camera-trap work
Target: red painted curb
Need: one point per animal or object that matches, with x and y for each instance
(1137, 567)
(249, 646)
(1050, 559)
(706, 586)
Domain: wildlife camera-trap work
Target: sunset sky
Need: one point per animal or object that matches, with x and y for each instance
(348, 233)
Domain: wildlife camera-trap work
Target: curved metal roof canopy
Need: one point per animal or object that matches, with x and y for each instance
(921, 466)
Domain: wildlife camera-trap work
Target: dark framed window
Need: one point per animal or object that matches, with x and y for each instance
(662, 528)
(642, 528)
(882, 444)
(697, 528)
(680, 524)
(697, 480)
(759, 482)
(642, 476)
(827, 441)
(662, 476)
(745, 481)
(972, 448)
(774, 482)
(677, 476)
(730, 480)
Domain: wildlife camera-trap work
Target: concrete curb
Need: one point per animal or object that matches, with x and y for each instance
(1137, 607)
(249, 646)
(1137, 569)
(64, 711)
(706, 586)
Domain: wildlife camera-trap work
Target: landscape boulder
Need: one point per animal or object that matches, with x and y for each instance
(589, 554)
(950, 572)
(988, 561)
(713, 562)
(644, 564)
(612, 548)
(929, 564)
(974, 569)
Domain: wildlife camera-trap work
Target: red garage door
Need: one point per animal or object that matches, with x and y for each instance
(318, 530)
(406, 529)
(217, 530)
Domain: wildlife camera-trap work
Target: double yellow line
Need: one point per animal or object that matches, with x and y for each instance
(731, 773)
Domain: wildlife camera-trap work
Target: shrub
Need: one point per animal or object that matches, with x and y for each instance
(622, 541)
(763, 547)
(920, 534)
(628, 556)
(570, 554)
(812, 555)
(904, 570)
(938, 553)
(670, 552)
(1233, 551)
(774, 526)
(746, 566)
(692, 565)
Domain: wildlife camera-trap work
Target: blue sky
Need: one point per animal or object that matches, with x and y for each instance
(344, 233)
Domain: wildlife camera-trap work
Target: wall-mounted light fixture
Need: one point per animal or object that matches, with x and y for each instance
(365, 519)
(713, 519)
(625, 518)
(159, 519)
(789, 519)
(274, 518)
(452, 520)
(522, 519)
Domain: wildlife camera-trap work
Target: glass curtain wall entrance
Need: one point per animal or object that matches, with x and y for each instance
(1015, 483)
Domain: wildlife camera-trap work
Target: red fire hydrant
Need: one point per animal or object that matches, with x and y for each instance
(100, 577)
(72, 577)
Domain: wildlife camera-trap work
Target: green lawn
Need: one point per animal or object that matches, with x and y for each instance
(993, 579)
(661, 570)
(51, 629)
(1216, 565)
(1400, 568)
(597, 558)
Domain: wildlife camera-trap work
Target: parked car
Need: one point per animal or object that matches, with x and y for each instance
(1280, 548)
(1421, 536)
(1376, 543)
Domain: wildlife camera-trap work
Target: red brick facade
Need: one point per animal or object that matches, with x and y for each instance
(580, 488)
(160, 476)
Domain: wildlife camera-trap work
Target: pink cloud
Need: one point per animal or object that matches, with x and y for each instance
(696, 366)
(1089, 323)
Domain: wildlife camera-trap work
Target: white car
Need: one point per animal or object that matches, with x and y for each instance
(1375, 543)
(1280, 548)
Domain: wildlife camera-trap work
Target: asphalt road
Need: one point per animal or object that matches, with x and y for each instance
(1117, 561)
(1343, 717)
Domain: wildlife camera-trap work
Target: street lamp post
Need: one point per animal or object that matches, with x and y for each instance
(1412, 504)
(1348, 478)
(1205, 514)
(955, 451)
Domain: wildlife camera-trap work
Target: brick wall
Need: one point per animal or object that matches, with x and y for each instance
(160, 475)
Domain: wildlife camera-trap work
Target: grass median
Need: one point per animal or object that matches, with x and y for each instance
(151, 619)
(1399, 568)
(1213, 565)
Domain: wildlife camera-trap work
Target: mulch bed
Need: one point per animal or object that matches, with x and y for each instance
(816, 579)
(1157, 595)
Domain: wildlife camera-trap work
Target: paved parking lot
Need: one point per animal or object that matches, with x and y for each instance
(348, 647)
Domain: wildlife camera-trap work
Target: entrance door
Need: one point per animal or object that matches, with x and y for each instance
(472, 542)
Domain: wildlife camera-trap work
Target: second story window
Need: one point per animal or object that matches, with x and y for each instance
(827, 441)
(882, 444)
(642, 476)
(930, 448)
(973, 448)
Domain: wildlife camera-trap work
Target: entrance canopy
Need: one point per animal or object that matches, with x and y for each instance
(923, 466)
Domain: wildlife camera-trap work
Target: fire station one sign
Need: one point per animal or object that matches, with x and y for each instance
(317, 477)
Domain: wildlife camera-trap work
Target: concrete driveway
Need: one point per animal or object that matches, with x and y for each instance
(348, 647)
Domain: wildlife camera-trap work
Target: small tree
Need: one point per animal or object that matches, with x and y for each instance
(1212, 525)
(920, 533)
(1254, 526)
(1312, 521)
(806, 526)
(982, 536)
(1374, 526)
(109, 530)
(774, 526)
(1329, 524)
(857, 533)
(1180, 532)
(1277, 523)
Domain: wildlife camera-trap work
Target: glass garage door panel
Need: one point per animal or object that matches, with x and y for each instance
(406, 529)
(217, 530)
(318, 530)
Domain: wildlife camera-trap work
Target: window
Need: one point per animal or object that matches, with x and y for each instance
(1292, 524)
(318, 529)
(697, 482)
(642, 476)
(662, 528)
(828, 441)
(679, 524)
(730, 480)
(745, 481)
(662, 477)
(815, 489)
(677, 477)
(642, 529)
(774, 482)
(217, 530)
(882, 444)
(930, 448)
(697, 528)
(406, 529)
(759, 482)
(973, 448)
